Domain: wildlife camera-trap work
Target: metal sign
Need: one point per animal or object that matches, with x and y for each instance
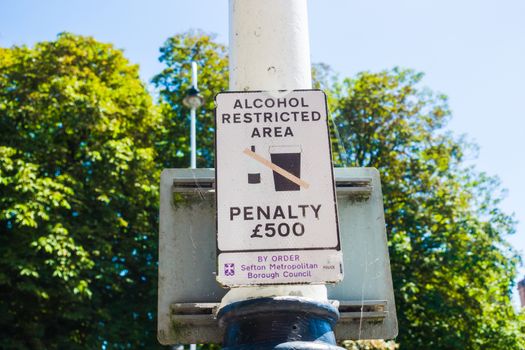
(276, 204)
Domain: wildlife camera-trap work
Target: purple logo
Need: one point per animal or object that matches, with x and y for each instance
(229, 269)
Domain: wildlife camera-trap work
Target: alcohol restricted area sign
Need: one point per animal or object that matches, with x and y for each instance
(276, 204)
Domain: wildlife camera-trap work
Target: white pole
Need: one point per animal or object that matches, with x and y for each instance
(269, 45)
(193, 142)
(193, 128)
(270, 50)
(194, 74)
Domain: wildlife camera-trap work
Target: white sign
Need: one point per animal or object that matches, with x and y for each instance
(276, 204)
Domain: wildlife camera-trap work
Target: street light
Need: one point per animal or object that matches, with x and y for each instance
(193, 100)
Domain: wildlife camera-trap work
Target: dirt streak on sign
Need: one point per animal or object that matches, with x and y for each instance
(276, 204)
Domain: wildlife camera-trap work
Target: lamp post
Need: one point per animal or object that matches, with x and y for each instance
(269, 50)
(193, 100)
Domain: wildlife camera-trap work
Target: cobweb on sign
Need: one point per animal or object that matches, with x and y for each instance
(341, 145)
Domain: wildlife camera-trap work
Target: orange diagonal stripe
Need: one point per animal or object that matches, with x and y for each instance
(276, 168)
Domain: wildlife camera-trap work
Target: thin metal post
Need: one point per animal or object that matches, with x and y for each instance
(193, 128)
(193, 137)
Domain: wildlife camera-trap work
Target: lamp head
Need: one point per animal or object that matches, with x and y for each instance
(193, 99)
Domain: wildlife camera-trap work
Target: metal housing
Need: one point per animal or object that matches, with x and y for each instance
(189, 294)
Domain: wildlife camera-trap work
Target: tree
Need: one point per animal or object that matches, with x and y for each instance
(370, 345)
(177, 53)
(78, 198)
(451, 265)
(81, 147)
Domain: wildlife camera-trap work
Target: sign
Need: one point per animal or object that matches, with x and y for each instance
(276, 205)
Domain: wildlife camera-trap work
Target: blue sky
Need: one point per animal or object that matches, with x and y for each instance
(471, 50)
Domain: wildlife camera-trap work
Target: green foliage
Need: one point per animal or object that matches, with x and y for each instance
(78, 198)
(81, 147)
(177, 53)
(451, 266)
(370, 345)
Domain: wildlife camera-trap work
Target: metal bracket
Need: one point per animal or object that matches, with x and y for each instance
(203, 314)
(368, 310)
(349, 187)
(358, 189)
(349, 309)
(194, 313)
(194, 185)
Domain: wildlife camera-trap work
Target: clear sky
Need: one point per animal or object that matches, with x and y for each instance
(471, 50)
